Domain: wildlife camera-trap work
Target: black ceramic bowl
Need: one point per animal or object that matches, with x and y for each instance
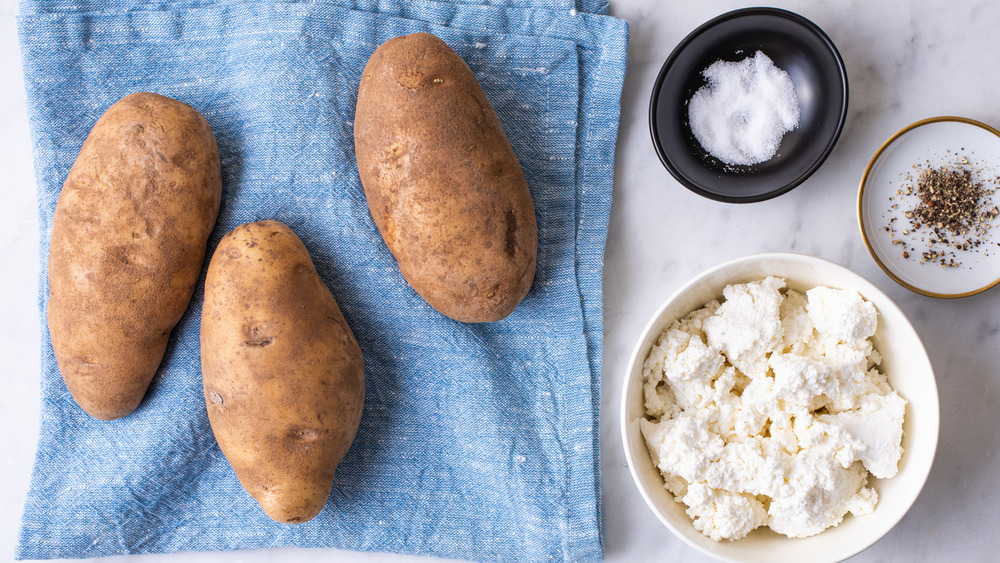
(797, 46)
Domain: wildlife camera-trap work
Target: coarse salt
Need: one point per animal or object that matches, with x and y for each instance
(740, 116)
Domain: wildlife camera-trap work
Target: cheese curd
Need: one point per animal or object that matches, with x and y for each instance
(768, 409)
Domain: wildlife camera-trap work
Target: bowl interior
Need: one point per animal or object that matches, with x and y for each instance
(904, 361)
(796, 46)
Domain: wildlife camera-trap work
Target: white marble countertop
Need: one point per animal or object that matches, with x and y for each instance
(906, 60)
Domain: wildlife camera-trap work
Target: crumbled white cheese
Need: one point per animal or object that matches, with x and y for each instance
(769, 409)
(841, 314)
(747, 305)
(721, 514)
(877, 426)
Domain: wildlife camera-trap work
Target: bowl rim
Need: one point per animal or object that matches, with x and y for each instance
(661, 76)
(861, 213)
(655, 319)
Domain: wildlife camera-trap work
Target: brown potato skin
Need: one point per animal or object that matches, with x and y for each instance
(129, 237)
(283, 375)
(442, 181)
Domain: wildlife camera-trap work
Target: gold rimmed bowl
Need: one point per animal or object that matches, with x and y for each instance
(894, 203)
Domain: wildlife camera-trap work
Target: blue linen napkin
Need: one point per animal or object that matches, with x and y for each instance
(457, 417)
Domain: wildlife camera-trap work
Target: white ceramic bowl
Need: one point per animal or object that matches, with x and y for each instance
(904, 361)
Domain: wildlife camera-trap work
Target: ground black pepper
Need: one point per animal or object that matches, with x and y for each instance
(950, 210)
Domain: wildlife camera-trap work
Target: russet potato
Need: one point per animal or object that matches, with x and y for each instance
(442, 182)
(128, 241)
(283, 374)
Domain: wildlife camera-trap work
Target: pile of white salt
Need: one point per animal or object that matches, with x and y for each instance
(740, 116)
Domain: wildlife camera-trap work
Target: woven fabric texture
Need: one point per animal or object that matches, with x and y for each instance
(477, 441)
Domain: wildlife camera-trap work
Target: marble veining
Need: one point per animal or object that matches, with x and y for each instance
(905, 61)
